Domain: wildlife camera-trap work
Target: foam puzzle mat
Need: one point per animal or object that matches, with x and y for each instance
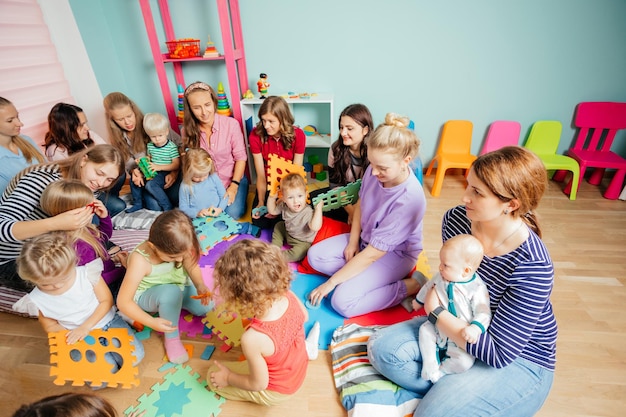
(102, 357)
(180, 394)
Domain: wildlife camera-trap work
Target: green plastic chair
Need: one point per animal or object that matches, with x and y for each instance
(544, 141)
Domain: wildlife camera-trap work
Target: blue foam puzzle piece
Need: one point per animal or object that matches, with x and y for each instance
(329, 319)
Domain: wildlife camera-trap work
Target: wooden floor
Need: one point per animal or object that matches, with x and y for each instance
(587, 242)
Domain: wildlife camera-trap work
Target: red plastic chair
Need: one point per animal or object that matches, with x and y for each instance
(453, 151)
(501, 133)
(598, 122)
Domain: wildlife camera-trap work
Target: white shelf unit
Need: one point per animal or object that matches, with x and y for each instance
(318, 111)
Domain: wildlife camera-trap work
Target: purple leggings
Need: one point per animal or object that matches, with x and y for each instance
(378, 287)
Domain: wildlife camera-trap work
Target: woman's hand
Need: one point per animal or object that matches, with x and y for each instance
(317, 295)
(170, 179)
(432, 301)
(73, 219)
(219, 378)
(137, 177)
(350, 251)
(231, 192)
(99, 209)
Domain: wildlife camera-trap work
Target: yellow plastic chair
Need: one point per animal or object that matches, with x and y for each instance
(543, 140)
(453, 152)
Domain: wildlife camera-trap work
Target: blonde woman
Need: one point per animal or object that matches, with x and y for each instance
(16, 151)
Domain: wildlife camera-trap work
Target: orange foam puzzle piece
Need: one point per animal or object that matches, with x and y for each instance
(85, 362)
(277, 168)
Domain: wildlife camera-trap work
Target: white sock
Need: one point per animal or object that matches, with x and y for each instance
(312, 341)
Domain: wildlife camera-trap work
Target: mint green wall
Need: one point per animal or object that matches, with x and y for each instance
(481, 60)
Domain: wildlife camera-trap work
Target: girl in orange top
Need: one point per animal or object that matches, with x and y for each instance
(253, 278)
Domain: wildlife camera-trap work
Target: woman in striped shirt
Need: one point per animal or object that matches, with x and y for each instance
(515, 362)
(21, 215)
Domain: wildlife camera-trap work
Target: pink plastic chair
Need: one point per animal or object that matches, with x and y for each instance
(501, 133)
(597, 120)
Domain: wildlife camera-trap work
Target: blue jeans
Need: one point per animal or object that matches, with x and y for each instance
(516, 390)
(238, 207)
(144, 196)
(116, 323)
(111, 198)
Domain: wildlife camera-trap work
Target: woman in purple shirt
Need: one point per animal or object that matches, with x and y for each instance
(222, 138)
(368, 267)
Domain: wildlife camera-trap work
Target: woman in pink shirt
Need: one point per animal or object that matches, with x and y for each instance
(222, 138)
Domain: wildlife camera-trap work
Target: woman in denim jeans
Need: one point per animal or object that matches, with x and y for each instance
(514, 370)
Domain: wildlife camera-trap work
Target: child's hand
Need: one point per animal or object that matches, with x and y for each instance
(99, 208)
(154, 166)
(416, 305)
(121, 258)
(219, 379)
(259, 211)
(471, 333)
(319, 206)
(163, 325)
(76, 335)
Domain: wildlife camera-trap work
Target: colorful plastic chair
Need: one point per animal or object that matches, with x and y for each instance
(597, 124)
(501, 133)
(453, 152)
(543, 140)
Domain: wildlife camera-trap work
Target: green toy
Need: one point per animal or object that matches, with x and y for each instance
(339, 197)
(181, 394)
(144, 167)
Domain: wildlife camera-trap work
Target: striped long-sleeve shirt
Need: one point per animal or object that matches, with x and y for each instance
(520, 284)
(20, 202)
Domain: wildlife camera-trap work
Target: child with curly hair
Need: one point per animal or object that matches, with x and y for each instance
(253, 278)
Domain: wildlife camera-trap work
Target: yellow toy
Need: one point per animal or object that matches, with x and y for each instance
(85, 362)
(277, 168)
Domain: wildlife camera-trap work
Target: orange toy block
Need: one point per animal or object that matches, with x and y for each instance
(319, 167)
(277, 168)
(227, 325)
(85, 362)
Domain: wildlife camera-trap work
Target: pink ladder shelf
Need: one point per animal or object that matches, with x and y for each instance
(233, 54)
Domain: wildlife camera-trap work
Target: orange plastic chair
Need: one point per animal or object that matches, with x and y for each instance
(453, 152)
(543, 140)
(501, 133)
(597, 124)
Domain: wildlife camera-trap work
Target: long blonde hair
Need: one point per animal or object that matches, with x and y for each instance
(139, 138)
(29, 152)
(65, 195)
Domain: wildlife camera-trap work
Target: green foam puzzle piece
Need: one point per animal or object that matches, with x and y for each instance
(339, 197)
(181, 394)
(212, 230)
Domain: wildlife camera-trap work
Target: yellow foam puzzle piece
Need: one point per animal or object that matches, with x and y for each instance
(227, 325)
(91, 365)
(277, 168)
